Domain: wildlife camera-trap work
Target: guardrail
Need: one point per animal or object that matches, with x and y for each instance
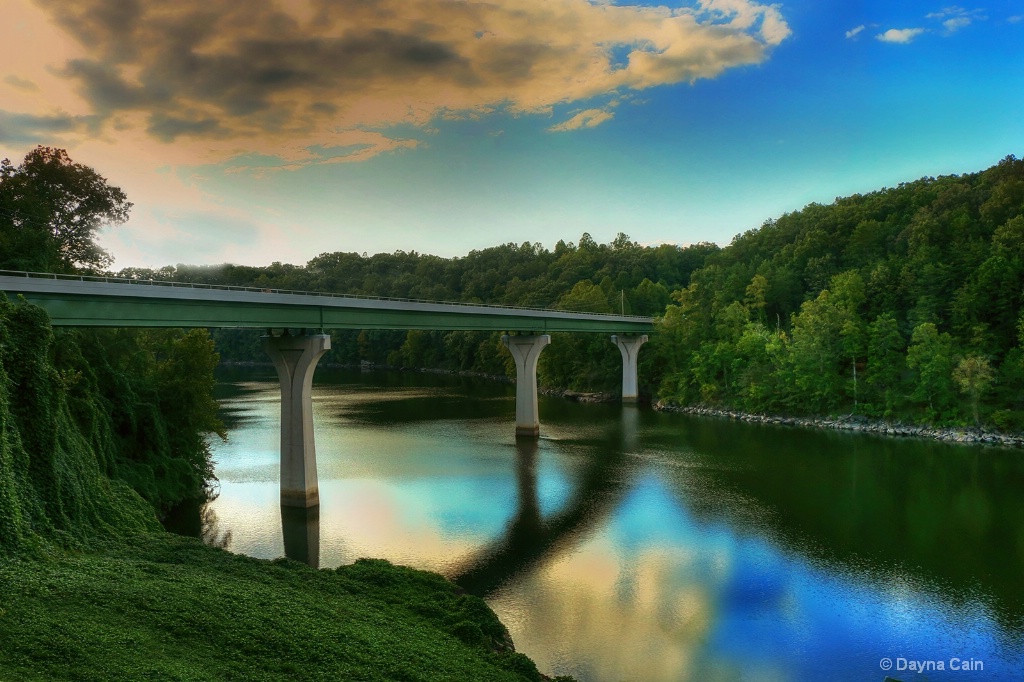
(228, 287)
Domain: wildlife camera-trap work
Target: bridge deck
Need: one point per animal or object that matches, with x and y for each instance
(111, 302)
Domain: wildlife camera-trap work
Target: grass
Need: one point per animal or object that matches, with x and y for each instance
(164, 607)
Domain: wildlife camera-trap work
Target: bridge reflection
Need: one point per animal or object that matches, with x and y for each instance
(528, 538)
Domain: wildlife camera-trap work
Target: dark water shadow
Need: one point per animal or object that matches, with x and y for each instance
(196, 518)
(529, 539)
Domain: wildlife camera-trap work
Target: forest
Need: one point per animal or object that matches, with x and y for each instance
(903, 303)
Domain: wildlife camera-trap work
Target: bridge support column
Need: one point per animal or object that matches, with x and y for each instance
(526, 351)
(295, 358)
(629, 346)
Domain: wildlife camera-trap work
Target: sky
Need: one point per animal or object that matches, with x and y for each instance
(277, 130)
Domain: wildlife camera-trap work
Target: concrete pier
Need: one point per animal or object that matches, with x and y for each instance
(295, 358)
(526, 351)
(629, 346)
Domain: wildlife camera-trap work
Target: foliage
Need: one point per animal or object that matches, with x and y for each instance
(90, 420)
(50, 211)
(881, 303)
(56, 446)
(973, 374)
(167, 607)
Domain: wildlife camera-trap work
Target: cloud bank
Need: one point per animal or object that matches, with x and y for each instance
(282, 77)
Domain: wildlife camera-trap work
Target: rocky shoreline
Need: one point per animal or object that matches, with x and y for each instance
(857, 423)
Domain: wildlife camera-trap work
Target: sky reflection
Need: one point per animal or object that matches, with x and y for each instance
(656, 584)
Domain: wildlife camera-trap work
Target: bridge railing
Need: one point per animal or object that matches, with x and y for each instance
(229, 287)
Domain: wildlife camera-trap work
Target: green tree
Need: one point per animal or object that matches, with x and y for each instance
(757, 296)
(974, 375)
(51, 210)
(931, 356)
(886, 361)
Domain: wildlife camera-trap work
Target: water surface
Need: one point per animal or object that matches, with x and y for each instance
(631, 545)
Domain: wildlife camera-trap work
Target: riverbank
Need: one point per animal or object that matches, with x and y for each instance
(161, 606)
(857, 423)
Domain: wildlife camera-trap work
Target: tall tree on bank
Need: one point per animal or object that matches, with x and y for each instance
(51, 210)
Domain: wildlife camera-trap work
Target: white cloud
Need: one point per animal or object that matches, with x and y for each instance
(854, 31)
(955, 18)
(589, 118)
(899, 35)
(956, 23)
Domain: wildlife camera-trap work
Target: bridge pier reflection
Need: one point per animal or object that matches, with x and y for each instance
(301, 529)
(529, 538)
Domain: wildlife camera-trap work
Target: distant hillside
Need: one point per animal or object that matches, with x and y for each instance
(622, 276)
(901, 302)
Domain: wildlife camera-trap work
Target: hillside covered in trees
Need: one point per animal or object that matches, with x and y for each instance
(901, 303)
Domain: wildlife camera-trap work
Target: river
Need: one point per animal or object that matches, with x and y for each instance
(628, 544)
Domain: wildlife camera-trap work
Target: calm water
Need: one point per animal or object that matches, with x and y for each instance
(632, 545)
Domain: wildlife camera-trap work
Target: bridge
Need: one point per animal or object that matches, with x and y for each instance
(296, 341)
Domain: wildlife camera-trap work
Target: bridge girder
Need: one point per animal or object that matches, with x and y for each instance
(71, 302)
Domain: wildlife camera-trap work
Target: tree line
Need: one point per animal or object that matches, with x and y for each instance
(902, 303)
(619, 277)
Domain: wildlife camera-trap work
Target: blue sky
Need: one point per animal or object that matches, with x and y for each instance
(303, 126)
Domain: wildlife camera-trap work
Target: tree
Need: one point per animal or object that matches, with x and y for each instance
(931, 355)
(51, 210)
(885, 359)
(973, 374)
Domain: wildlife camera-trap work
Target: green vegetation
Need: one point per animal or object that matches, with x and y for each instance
(165, 607)
(903, 303)
(95, 424)
(50, 211)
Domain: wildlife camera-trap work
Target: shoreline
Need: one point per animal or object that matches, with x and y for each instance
(850, 422)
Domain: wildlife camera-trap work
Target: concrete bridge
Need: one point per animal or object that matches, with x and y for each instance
(295, 340)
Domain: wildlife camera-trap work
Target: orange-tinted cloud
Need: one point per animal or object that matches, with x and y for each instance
(280, 77)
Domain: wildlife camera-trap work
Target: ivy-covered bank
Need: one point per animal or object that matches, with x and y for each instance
(102, 430)
(165, 607)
